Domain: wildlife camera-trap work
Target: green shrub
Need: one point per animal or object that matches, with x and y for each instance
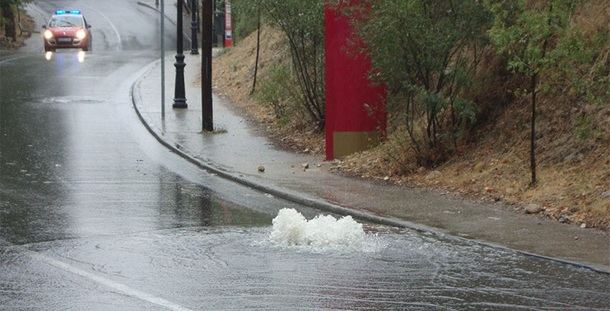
(278, 91)
(426, 53)
(302, 22)
(583, 128)
(245, 17)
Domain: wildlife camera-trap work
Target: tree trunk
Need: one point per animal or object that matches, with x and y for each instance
(534, 84)
(258, 49)
(533, 90)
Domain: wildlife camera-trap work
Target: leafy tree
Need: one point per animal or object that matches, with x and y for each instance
(249, 18)
(302, 23)
(245, 17)
(427, 53)
(531, 35)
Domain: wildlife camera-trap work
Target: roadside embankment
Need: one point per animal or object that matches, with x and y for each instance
(16, 27)
(491, 161)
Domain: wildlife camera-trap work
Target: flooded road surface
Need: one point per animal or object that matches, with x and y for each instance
(96, 215)
(221, 268)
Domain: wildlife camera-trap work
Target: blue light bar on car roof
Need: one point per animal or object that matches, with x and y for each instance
(63, 12)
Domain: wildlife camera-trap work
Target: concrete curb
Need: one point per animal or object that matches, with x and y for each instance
(324, 205)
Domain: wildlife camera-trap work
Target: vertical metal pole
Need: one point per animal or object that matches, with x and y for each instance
(198, 18)
(207, 118)
(163, 59)
(179, 91)
(194, 26)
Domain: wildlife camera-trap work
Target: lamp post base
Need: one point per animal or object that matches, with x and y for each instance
(179, 92)
(180, 103)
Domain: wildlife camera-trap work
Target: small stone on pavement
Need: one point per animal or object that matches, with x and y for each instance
(533, 209)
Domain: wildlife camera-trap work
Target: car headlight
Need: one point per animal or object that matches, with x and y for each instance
(81, 34)
(48, 34)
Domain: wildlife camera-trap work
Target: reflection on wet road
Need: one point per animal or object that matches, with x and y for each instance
(95, 215)
(80, 56)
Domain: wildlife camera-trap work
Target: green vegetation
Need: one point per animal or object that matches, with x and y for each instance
(532, 39)
(583, 128)
(8, 17)
(279, 92)
(427, 53)
(452, 68)
(302, 24)
(246, 17)
(541, 42)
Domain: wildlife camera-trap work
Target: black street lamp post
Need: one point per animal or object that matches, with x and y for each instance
(194, 27)
(179, 93)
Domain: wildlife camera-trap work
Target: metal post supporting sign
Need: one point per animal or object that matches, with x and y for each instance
(163, 59)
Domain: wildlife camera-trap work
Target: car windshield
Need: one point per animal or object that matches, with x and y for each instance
(66, 21)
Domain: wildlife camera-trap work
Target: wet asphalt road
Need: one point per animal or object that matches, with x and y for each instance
(96, 215)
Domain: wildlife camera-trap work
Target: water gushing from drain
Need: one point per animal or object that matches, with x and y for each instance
(290, 228)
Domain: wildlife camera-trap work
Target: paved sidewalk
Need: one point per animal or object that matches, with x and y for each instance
(239, 148)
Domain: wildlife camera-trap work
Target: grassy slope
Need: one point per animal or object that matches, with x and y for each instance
(233, 74)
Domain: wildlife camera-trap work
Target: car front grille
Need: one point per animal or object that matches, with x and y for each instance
(64, 40)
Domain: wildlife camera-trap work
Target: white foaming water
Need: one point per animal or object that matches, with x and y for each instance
(324, 232)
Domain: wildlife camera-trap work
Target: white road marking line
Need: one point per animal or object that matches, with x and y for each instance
(10, 59)
(124, 289)
(116, 31)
